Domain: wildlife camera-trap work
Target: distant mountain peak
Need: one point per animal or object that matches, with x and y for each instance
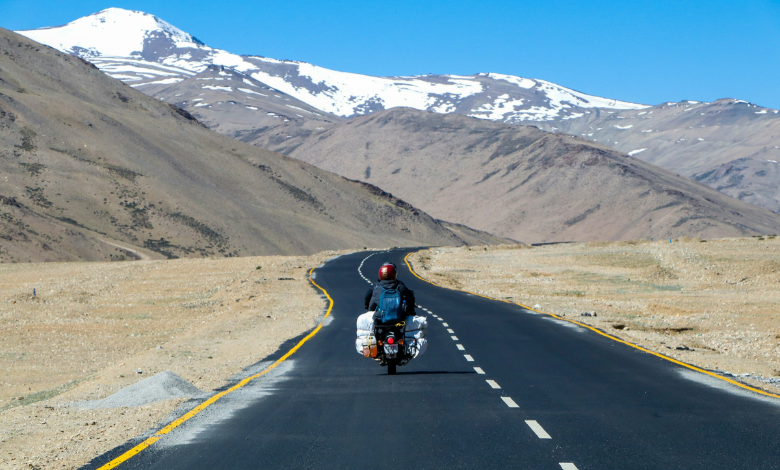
(113, 32)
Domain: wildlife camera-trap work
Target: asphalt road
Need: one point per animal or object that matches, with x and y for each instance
(568, 399)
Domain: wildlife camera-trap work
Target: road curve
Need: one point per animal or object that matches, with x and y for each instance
(500, 387)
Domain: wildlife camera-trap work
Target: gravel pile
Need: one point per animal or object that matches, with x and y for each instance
(159, 387)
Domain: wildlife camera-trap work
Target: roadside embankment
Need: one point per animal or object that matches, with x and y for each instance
(713, 303)
(74, 332)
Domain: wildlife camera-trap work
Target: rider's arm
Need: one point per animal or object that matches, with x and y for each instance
(369, 294)
(410, 302)
(373, 302)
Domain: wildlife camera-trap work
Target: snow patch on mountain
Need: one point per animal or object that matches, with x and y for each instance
(167, 81)
(346, 94)
(246, 90)
(561, 96)
(498, 109)
(221, 88)
(519, 81)
(108, 64)
(574, 116)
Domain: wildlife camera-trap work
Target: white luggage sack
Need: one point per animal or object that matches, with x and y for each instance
(365, 322)
(416, 323)
(414, 335)
(416, 347)
(365, 328)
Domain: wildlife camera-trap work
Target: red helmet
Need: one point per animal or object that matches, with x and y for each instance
(387, 271)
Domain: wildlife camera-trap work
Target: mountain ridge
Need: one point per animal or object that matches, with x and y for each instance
(725, 139)
(94, 170)
(523, 183)
(156, 57)
(147, 45)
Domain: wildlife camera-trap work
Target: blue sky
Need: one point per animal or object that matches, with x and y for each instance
(634, 50)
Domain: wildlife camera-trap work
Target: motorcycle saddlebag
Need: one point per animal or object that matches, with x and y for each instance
(367, 346)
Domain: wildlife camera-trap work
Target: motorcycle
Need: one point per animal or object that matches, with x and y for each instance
(394, 345)
(392, 350)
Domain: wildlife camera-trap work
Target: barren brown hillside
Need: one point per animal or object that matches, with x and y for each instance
(254, 113)
(93, 170)
(730, 145)
(524, 183)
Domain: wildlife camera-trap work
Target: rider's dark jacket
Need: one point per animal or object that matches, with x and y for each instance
(372, 296)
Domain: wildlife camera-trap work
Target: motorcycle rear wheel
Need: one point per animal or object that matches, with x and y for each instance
(391, 367)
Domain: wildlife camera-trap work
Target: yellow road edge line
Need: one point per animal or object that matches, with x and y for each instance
(177, 422)
(602, 333)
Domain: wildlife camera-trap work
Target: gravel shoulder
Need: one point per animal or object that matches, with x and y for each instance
(91, 329)
(710, 303)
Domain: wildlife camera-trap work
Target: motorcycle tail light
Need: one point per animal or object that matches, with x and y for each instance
(390, 340)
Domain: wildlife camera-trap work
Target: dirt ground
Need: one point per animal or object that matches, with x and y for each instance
(711, 303)
(81, 331)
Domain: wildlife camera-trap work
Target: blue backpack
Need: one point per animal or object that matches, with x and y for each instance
(390, 308)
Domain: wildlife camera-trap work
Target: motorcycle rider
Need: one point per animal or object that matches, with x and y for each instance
(388, 280)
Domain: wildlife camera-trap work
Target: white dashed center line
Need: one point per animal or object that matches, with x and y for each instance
(537, 429)
(510, 403)
(535, 426)
(493, 384)
(360, 268)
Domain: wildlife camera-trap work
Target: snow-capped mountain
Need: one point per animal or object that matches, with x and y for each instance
(280, 105)
(145, 51)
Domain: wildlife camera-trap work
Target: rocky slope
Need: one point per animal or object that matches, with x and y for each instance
(754, 179)
(234, 104)
(92, 169)
(524, 183)
(730, 145)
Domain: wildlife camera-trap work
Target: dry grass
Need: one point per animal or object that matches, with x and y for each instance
(717, 298)
(91, 326)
